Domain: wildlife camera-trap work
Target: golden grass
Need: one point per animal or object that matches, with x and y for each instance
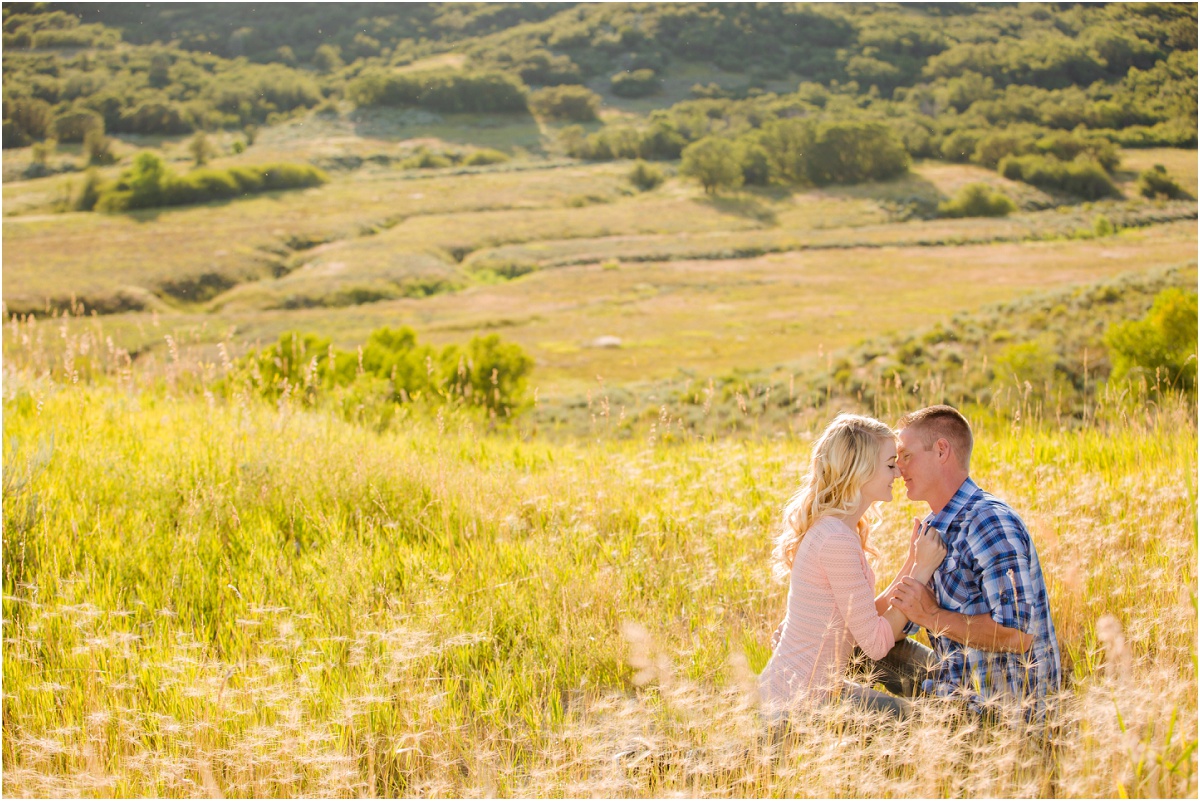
(1181, 165)
(208, 597)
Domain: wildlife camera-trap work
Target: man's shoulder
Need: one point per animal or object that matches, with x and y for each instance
(983, 505)
(986, 516)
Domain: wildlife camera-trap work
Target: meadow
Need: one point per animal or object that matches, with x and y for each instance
(221, 586)
(224, 597)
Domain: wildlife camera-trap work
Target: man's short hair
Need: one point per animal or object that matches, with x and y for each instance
(942, 422)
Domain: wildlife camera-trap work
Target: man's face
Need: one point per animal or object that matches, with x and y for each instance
(918, 464)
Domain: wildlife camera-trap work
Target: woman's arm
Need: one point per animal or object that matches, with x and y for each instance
(926, 553)
(882, 601)
(841, 560)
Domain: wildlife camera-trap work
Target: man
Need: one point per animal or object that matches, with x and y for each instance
(987, 614)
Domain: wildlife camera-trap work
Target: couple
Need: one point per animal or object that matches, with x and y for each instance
(987, 614)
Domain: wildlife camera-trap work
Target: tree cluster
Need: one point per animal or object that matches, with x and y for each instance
(149, 183)
(148, 91)
(393, 367)
(445, 91)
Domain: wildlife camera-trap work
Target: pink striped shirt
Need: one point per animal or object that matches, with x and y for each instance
(830, 608)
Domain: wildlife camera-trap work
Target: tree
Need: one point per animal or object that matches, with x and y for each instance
(98, 148)
(712, 161)
(787, 144)
(146, 179)
(488, 371)
(571, 103)
(977, 200)
(1160, 345)
(1155, 182)
(635, 83)
(850, 152)
(200, 148)
(327, 58)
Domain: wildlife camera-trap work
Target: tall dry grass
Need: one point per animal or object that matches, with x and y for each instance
(208, 595)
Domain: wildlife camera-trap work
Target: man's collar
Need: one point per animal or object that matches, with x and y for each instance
(942, 520)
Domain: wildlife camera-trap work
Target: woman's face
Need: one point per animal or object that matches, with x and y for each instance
(879, 486)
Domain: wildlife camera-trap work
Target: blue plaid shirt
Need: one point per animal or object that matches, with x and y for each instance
(991, 568)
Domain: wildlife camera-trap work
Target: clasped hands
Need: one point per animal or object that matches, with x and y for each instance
(911, 595)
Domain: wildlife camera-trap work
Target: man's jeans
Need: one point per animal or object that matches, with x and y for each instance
(901, 672)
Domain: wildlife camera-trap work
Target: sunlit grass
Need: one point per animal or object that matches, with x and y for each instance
(207, 595)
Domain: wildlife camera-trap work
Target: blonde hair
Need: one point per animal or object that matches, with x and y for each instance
(843, 459)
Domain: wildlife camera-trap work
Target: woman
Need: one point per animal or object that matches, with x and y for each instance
(822, 551)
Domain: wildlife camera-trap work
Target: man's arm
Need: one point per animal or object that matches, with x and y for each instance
(917, 603)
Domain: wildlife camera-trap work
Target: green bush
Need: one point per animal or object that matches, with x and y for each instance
(1160, 346)
(635, 83)
(89, 192)
(977, 200)
(1082, 177)
(1155, 182)
(645, 176)
(662, 141)
(851, 152)
(98, 148)
(148, 183)
(447, 91)
(480, 158)
(565, 103)
(392, 366)
(76, 124)
(713, 162)
(423, 159)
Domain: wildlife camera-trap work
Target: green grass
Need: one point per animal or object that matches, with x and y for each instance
(211, 597)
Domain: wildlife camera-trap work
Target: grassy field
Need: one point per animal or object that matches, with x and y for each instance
(209, 598)
(209, 595)
(684, 280)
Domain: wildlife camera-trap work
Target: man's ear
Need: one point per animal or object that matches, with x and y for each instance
(943, 450)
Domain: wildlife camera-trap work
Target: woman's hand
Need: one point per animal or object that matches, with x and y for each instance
(927, 547)
(912, 541)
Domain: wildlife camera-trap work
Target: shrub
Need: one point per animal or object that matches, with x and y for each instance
(479, 92)
(423, 159)
(148, 183)
(327, 59)
(75, 125)
(977, 200)
(392, 366)
(645, 176)
(960, 145)
(1082, 177)
(1163, 343)
(850, 152)
(26, 120)
(661, 141)
(484, 157)
(200, 148)
(488, 372)
(89, 192)
(565, 103)
(712, 161)
(1155, 182)
(635, 83)
(98, 148)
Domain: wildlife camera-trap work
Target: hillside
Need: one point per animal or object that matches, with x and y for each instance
(452, 217)
(399, 399)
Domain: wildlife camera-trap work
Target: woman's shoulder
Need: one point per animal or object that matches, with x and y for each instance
(830, 529)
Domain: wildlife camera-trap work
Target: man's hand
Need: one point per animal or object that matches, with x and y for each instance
(917, 603)
(915, 600)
